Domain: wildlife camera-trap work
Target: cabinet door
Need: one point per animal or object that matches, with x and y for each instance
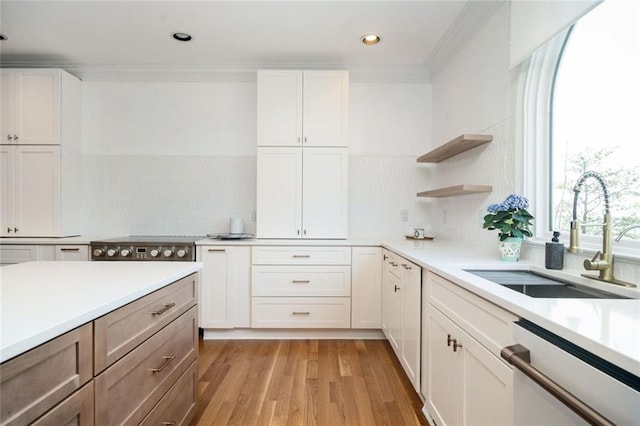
(325, 188)
(279, 108)
(6, 190)
(386, 291)
(366, 287)
(445, 376)
(6, 105)
(411, 289)
(395, 313)
(279, 193)
(326, 95)
(37, 193)
(487, 386)
(37, 106)
(225, 285)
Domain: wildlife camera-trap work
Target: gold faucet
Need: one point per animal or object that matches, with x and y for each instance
(603, 260)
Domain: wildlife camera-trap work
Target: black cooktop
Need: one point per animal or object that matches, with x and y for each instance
(153, 239)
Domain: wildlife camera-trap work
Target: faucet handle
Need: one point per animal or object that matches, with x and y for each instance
(596, 264)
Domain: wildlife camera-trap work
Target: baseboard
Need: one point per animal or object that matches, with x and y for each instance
(289, 334)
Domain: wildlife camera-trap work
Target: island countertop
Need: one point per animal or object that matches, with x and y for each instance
(42, 300)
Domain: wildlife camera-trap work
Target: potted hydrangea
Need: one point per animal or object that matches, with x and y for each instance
(513, 221)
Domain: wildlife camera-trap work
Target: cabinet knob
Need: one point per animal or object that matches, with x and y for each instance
(305, 139)
(9, 230)
(15, 229)
(15, 137)
(298, 139)
(9, 137)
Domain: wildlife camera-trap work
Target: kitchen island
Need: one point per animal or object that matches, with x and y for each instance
(78, 332)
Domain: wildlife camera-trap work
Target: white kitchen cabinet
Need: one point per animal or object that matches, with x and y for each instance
(366, 287)
(301, 287)
(18, 253)
(225, 285)
(302, 192)
(468, 384)
(31, 105)
(72, 252)
(302, 108)
(40, 154)
(401, 312)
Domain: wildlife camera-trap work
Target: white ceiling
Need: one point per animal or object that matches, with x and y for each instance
(226, 34)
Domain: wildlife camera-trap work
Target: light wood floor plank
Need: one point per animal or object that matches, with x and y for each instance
(304, 383)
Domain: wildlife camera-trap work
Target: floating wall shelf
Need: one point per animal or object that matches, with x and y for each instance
(454, 147)
(453, 191)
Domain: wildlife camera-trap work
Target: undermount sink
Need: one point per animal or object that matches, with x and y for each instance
(541, 286)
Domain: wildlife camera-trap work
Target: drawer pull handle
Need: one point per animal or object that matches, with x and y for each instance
(300, 313)
(215, 250)
(394, 264)
(301, 256)
(405, 266)
(301, 281)
(395, 288)
(456, 345)
(449, 340)
(171, 423)
(70, 249)
(165, 309)
(167, 361)
(385, 257)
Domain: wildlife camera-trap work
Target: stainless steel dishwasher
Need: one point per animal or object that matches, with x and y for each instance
(559, 383)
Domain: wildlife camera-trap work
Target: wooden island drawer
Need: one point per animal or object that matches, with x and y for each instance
(36, 381)
(301, 281)
(303, 255)
(301, 312)
(75, 410)
(131, 387)
(178, 406)
(118, 332)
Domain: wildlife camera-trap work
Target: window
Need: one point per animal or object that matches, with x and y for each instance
(587, 108)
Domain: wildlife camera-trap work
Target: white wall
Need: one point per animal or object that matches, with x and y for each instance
(471, 95)
(178, 158)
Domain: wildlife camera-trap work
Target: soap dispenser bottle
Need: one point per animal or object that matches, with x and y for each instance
(554, 253)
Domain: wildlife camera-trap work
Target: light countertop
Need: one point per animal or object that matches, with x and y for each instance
(351, 242)
(42, 300)
(609, 328)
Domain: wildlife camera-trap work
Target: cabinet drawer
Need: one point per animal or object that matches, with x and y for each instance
(178, 406)
(32, 383)
(301, 312)
(301, 281)
(486, 322)
(74, 253)
(120, 331)
(75, 410)
(130, 388)
(303, 255)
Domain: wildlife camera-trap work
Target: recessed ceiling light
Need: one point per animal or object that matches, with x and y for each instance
(3, 37)
(370, 39)
(181, 36)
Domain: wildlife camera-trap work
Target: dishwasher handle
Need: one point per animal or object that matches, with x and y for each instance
(519, 356)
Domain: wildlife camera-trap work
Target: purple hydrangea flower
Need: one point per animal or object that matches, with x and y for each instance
(513, 201)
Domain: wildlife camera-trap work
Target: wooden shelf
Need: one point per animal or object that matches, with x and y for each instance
(453, 191)
(454, 147)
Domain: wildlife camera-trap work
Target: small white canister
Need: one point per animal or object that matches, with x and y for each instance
(235, 225)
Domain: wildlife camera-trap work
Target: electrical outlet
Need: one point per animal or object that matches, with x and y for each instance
(253, 215)
(404, 215)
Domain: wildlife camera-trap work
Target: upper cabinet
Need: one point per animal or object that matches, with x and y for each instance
(40, 153)
(302, 108)
(30, 106)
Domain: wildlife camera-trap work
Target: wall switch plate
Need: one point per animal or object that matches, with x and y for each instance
(404, 215)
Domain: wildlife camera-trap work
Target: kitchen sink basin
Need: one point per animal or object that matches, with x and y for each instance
(541, 286)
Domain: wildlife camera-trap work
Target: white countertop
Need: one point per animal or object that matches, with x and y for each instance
(42, 300)
(364, 242)
(78, 239)
(609, 328)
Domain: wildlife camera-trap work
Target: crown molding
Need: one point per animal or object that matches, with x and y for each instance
(473, 15)
(227, 72)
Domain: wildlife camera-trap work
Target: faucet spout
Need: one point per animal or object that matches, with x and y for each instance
(574, 232)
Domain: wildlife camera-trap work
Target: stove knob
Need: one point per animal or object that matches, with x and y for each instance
(167, 253)
(126, 252)
(112, 252)
(98, 252)
(155, 252)
(182, 252)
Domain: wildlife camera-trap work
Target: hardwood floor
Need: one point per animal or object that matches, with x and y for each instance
(304, 382)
